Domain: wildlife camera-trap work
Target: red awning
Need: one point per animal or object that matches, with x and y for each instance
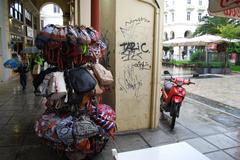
(225, 8)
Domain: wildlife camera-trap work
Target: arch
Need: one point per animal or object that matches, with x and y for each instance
(187, 34)
(172, 35)
(50, 13)
(61, 3)
(165, 36)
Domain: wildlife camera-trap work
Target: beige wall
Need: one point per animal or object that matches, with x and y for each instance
(128, 26)
(107, 29)
(85, 12)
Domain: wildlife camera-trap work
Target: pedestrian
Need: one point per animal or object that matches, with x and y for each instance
(22, 70)
(36, 64)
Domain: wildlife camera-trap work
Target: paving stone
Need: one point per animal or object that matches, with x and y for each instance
(4, 119)
(156, 137)
(38, 152)
(130, 142)
(11, 139)
(179, 133)
(201, 145)
(9, 153)
(219, 155)
(234, 152)
(32, 139)
(16, 128)
(222, 141)
(7, 113)
(234, 135)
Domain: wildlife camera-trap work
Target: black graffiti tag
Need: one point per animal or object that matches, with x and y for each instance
(133, 50)
(142, 65)
(130, 81)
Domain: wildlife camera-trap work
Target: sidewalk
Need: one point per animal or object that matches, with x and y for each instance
(198, 125)
(221, 88)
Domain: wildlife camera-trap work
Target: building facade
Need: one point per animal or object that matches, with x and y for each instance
(51, 14)
(18, 27)
(181, 18)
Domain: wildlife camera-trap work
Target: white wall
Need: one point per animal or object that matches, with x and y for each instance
(49, 17)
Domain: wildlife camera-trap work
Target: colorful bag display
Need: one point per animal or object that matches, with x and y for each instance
(71, 122)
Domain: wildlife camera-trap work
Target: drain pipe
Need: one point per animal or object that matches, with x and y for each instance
(156, 72)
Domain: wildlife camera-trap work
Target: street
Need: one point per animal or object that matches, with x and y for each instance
(207, 126)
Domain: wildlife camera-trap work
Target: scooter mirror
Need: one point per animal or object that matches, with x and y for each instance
(166, 72)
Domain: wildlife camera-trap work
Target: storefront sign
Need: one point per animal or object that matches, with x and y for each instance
(29, 32)
(233, 13)
(16, 27)
(221, 5)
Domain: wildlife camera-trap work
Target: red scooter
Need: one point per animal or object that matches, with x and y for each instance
(172, 96)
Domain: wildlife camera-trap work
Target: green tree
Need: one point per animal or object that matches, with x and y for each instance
(212, 25)
(230, 31)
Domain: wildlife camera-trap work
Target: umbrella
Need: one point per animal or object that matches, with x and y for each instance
(176, 42)
(198, 41)
(12, 63)
(30, 50)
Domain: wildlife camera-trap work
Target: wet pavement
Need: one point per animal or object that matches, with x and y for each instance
(212, 131)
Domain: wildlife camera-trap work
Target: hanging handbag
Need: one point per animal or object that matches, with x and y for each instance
(80, 80)
(36, 69)
(103, 75)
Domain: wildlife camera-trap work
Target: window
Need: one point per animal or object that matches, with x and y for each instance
(172, 16)
(200, 2)
(188, 1)
(199, 17)
(56, 9)
(188, 16)
(166, 4)
(16, 10)
(28, 18)
(42, 24)
(165, 18)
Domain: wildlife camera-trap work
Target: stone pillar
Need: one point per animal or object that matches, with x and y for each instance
(76, 11)
(95, 14)
(134, 57)
(4, 39)
(85, 12)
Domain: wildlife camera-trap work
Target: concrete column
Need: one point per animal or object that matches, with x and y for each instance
(85, 12)
(76, 12)
(134, 41)
(4, 40)
(95, 14)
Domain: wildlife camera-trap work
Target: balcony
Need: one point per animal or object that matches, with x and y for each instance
(171, 8)
(190, 7)
(202, 8)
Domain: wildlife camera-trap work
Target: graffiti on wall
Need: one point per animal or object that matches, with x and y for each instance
(133, 50)
(134, 53)
(130, 81)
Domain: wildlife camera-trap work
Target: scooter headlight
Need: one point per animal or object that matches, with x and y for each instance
(179, 83)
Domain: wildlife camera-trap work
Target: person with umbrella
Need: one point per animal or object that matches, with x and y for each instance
(22, 70)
